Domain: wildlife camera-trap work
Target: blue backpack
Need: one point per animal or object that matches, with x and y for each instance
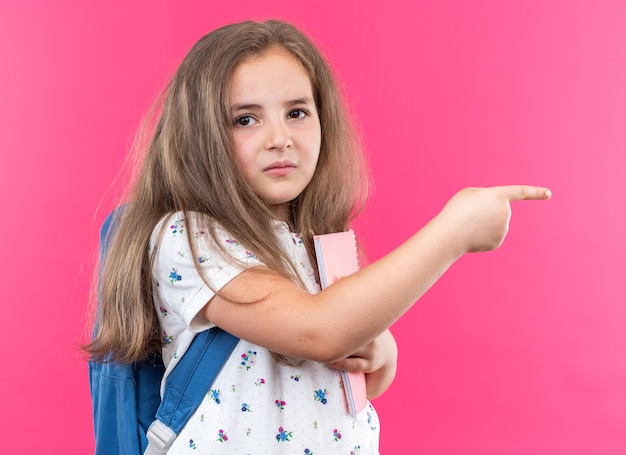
(129, 415)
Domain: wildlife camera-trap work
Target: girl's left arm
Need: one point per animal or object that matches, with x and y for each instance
(378, 360)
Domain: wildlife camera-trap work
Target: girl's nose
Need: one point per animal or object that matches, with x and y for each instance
(278, 137)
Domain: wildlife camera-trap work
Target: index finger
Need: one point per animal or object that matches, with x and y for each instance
(526, 192)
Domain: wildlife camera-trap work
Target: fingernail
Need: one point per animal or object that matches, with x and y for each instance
(548, 194)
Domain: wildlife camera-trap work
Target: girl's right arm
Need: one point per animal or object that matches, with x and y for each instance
(349, 314)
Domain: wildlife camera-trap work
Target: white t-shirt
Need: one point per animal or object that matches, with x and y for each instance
(256, 406)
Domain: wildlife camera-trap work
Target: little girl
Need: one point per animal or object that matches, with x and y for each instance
(252, 155)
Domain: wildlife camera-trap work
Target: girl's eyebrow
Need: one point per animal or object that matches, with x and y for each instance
(244, 107)
(252, 106)
(303, 100)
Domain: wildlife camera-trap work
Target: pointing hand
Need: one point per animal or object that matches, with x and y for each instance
(481, 215)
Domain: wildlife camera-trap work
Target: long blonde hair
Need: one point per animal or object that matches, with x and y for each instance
(189, 167)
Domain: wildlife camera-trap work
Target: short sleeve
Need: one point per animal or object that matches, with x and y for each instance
(178, 286)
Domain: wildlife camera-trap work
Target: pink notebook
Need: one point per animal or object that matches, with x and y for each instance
(337, 257)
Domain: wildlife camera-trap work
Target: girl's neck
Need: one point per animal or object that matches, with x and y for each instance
(281, 212)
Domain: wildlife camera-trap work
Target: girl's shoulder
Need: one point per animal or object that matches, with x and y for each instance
(179, 225)
(203, 227)
(178, 222)
(174, 232)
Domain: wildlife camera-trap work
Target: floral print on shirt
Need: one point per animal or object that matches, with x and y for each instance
(256, 405)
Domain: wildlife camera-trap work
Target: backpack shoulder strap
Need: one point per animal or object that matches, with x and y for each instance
(187, 385)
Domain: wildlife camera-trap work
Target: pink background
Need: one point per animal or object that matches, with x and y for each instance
(518, 351)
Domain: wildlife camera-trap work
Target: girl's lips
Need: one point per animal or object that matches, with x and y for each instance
(280, 168)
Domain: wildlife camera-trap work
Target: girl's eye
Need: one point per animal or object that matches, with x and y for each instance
(244, 120)
(297, 113)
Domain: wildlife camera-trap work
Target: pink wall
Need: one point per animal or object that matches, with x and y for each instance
(517, 351)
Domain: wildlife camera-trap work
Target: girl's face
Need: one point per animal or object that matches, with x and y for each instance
(276, 127)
